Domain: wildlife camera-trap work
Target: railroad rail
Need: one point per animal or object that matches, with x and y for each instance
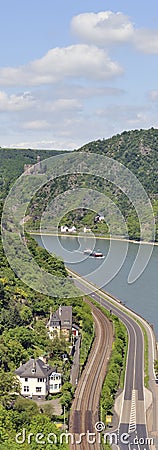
(85, 408)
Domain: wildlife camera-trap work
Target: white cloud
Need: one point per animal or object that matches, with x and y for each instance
(16, 102)
(72, 131)
(104, 27)
(56, 144)
(79, 61)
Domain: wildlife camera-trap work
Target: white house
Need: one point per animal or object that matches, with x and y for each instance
(85, 229)
(38, 379)
(72, 229)
(64, 229)
(98, 218)
(101, 218)
(60, 321)
(54, 382)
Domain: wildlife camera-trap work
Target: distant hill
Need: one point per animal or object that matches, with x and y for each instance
(137, 150)
(12, 163)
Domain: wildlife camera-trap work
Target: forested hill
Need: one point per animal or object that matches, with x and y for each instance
(12, 163)
(137, 150)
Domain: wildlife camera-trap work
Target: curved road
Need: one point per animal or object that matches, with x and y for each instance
(132, 430)
(85, 409)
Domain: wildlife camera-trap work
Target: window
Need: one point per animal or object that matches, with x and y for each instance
(26, 379)
(38, 389)
(56, 386)
(53, 377)
(26, 388)
(40, 380)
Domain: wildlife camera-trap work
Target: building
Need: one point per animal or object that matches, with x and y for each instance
(101, 218)
(38, 379)
(86, 230)
(60, 322)
(98, 218)
(64, 229)
(33, 169)
(75, 330)
(72, 229)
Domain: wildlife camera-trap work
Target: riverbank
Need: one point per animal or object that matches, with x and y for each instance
(45, 233)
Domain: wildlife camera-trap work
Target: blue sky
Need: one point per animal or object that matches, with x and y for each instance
(72, 72)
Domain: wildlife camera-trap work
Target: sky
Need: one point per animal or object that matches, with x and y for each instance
(76, 71)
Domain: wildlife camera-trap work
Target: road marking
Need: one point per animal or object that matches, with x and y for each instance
(132, 421)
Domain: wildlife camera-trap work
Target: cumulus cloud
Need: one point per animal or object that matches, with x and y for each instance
(16, 102)
(106, 28)
(79, 61)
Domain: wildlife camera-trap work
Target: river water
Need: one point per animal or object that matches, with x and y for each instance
(141, 296)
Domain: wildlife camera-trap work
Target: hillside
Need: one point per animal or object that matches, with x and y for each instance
(13, 161)
(23, 317)
(138, 151)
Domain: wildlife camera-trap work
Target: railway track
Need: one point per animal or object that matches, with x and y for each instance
(85, 409)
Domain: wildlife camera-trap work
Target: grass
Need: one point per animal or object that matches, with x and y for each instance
(146, 351)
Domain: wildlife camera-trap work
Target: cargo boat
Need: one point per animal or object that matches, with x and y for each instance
(92, 253)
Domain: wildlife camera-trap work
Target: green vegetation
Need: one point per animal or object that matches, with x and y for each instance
(137, 150)
(116, 367)
(25, 418)
(146, 355)
(23, 317)
(156, 366)
(117, 364)
(24, 312)
(12, 164)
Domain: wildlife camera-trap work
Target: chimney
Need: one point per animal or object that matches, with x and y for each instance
(60, 310)
(50, 313)
(34, 366)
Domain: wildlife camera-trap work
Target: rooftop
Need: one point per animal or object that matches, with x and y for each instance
(62, 315)
(34, 369)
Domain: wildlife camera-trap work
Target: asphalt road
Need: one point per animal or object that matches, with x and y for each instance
(132, 430)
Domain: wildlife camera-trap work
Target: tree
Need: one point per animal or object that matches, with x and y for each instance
(26, 315)
(9, 387)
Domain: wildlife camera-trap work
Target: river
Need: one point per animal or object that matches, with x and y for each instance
(141, 296)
